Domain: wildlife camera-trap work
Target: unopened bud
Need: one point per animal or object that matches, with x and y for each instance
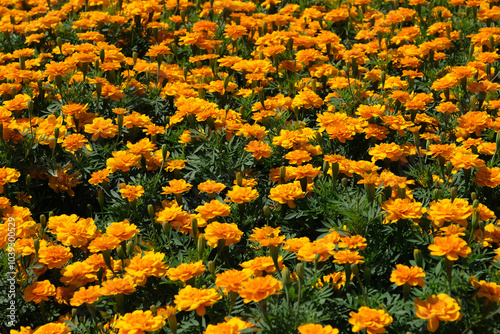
(120, 253)
(201, 245)
(282, 174)
(267, 211)
(239, 179)
(151, 212)
(194, 226)
(130, 247)
(36, 245)
(153, 310)
(300, 270)
(211, 267)
(417, 256)
(285, 273)
(165, 226)
(453, 193)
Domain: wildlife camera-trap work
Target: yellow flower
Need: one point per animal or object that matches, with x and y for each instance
(374, 321)
(451, 246)
(259, 288)
(189, 299)
(404, 274)
(186, 271)
(139, 322)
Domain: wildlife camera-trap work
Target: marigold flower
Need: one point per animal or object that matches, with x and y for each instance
(54, 256)
(451, 246)
(231, 280)
(319, 250)
(216, 231)
(374, 321)
(317, 329)
(336, 280)
(19, 102)
(74, 142)
(213, 209)
(446, 210)
(85, 295)
(143, 266)
(189, 299)
(78, 274)
(260, 264)
(103, 242)
(489, 177)
(101, 127)
(287, 193)
(117, 286)
(99, 176)
(437, 308)
(298, 157)
(267, 236)
(411, 275)
(347, 256)
(383, 151)
(38, 291)
(186, 271)
(242, 195)
(131, 193)
(466, 161)
(122, 160)
(211, 187)
(259, 149)
(405, 208)
(488, 290)
(176, 187)
(63, 182)
(8, 175)
(53, 328)
(76, 233)
(139, 322)
(352, 242)
(259, 288)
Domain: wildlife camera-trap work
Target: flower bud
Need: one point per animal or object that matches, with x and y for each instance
(436, 194)
(370, 191)
(282, 174)
(453, 193)
(344, 181)
(300, 270)
(401, 192)
(417, 255)
(107, 258)
(267, 211)
(130, 247)
(354, 269)
(165, 226)
(43, 221)
(194, 226)
(449, 168)
(100, 198)
(36, 245)
(120, 253)
(285, 273)
(151, 212)
(153, 310)
(211, 267)
(473, 196)
(74, 312)
(239, 179)
(475, 204)
(201, 245)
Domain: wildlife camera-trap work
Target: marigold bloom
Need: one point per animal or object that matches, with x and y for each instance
(446, 210)
(317, 329)
(54, 256)
(319, 250)
(489, 177)
(411, 275)
(143, 266)
(211, 187)
(466, 161)
(8, 175)
(383, 151)
(298, 157)
(488, 290)
(287, 193)
(213, 209)
(259, 149)
(117, 286)
(38, 291)
(63, 182)
(374, 321)
(76, 233)
(176, 187)
(267, 236)
(101, 127)
(368, 112)
(122, 160)
(347, 256)
(103, 242)
(405, 208)
(74, 142)
(242, 195)
(85, 295)
(451, 246)
(189, 299)
(352, 242)
(231, 280)
(216, 231)
(260, 264)
(139, 322)
(78, 274)
(437, 308)
(336, 280)
(131, 193)
(53, 328)
(99, 176)
(186, 271)
(259, 288)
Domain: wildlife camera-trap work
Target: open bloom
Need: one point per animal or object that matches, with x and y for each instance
(189, 299)
(38, 291)
(317, 329)
(398, 208)
(216, 231)
(287, 193)
(452, 246)
(411, 275)
(139, 322)
(374, 321)
(438, 308)
(186, 271)
(259, 288)
(242, 195)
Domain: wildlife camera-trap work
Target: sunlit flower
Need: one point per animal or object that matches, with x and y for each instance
(374, 321)
(139, 322)
(437, 308)
(216, 231)
(38, 291)
(186, 271)
(190, 299)
(130, 192)
(451, 246)
(411, 275)
(259, 288)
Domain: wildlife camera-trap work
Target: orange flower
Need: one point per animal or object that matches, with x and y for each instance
(383, 151)
(404, 274)
(19, 102)
(211, 187)
(287, 193)
(53, 69)
(176, 187)
(122, 230)
(74, 142)
(259, 288)
(446, 210)
(142, 266)
(260, 264)
(489, 177)
(76, 233)
(267, 236)
(298, 157)
(117, 286)
(78, 274)
(189, 299)
(85, 295)
(101, 127)
(54, 256)
(437, 308)
(398, 208)
(353, 242)
(318, 249)
(242, 195)
(38, 291)
(370, 319)
(216, 231)
(63, 182)
(367, 112)
(123, 160)
(466, 161)
(186, 271)
(451, 246)
(347, 256)
(317, 329)
(213, 209)
(53, 328)
(488, 290)
(259, 149)
(131, 193)
(103, 242)
(231, 280)
(139, 322)
(8, 175)
(99, 176)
